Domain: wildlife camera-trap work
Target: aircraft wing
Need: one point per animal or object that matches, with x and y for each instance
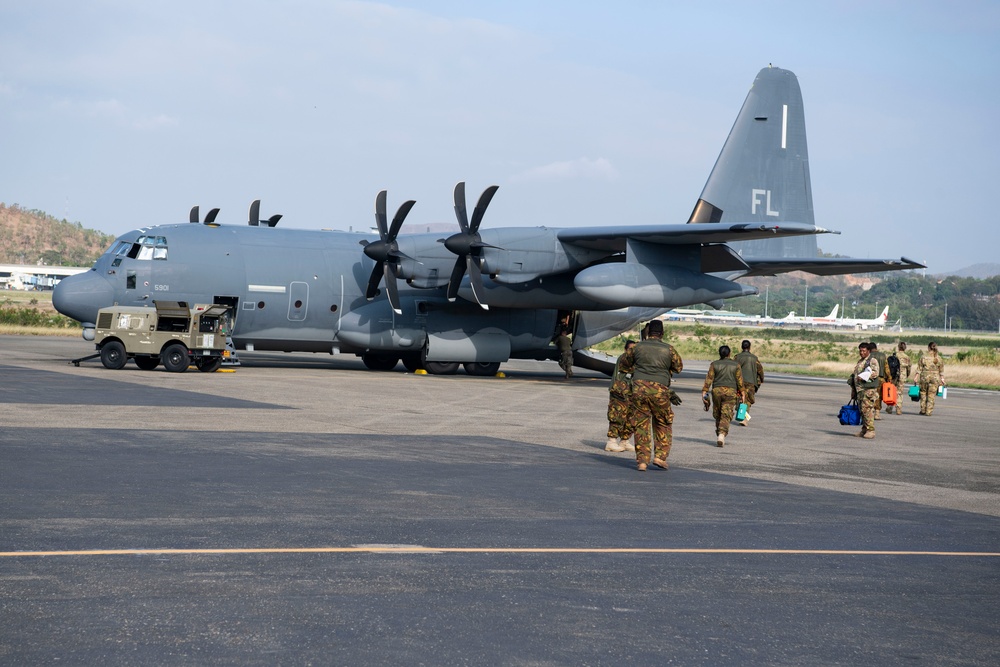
(612, 239)
(827, 266)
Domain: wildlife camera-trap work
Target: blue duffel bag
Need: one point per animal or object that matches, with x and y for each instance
(850, 414)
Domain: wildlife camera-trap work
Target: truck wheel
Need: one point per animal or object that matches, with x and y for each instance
(113, 355)
(146, 362)
(208, 364)
(175, 358)
(485, 369)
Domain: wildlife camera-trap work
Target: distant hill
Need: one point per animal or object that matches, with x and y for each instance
(34, 237)
(978, 271)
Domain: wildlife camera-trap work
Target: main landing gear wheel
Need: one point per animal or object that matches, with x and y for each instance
(113, 355)
(208, 364)
(412, 362)
(484, 369)
(441, 367)
(379, 362)
(146, 362)
(175, 358)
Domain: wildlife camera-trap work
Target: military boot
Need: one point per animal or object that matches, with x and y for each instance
(720, 440)
(614, 445)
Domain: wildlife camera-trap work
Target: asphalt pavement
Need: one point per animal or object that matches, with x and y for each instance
(303, 510)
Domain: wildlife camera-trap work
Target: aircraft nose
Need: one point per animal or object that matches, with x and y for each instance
(82, 295)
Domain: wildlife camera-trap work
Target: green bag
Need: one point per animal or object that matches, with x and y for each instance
(914, 393)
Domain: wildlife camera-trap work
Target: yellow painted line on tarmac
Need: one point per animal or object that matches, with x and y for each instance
(407, 549)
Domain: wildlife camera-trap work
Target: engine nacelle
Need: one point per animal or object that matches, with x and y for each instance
(658, 285)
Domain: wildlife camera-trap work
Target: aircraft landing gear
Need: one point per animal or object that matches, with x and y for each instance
(379, 362)
(485, 369)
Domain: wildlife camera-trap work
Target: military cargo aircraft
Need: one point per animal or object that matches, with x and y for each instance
(485, 294)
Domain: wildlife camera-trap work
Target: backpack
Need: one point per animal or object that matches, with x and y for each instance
(893, 363)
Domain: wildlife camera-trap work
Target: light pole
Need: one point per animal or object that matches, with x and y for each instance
(945, 315)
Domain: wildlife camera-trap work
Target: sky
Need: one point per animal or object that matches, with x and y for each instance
(120, 114)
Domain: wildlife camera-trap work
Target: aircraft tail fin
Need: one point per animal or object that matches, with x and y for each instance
(762, 173)
(833, 313)
(885, 315)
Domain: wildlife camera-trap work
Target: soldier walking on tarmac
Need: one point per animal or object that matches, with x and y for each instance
(753, 377)
(725, 379)
(930, 375)
(902, 375)
(651, 363)
(883, 365)
(865, 382)
(619, 424)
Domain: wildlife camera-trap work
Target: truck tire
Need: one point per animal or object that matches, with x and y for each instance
(113, 355)
(175, 358)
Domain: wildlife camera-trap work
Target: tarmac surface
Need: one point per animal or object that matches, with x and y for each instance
(303, 510)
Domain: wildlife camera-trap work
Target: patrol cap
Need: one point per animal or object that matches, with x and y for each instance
(655, 328)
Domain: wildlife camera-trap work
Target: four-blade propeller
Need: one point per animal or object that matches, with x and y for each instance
(386, 252)
(468, 244)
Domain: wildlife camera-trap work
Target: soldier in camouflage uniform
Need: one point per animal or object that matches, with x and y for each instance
(725, 379)
(930, 375)
(904, 377)
(565, 346)
(753, 376)
(619, 426)
(881, 358)
(865, 382)
(651, 363)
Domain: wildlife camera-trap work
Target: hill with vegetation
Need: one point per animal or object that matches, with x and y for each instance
(34, 237)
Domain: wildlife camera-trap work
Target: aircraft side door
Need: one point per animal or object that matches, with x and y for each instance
(298, 300)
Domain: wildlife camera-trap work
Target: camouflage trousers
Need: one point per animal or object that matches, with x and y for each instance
(566, 362)
(619, 424)
(902, 391)
(928, 392)
(652, 419)
(724, 403)
(867, 401)
(750, 393)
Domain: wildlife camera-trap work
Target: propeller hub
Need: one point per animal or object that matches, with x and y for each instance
(380, 251)
(461, 243)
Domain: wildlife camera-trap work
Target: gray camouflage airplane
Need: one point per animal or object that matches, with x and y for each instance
(484, 295)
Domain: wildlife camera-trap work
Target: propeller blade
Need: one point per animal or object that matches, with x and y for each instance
(380, 215)
(456, 279)
(480, 210)
(373, 282)
(253, 219)
(397, 221)
(476, 280)
(193, 215)
(390, 287)
(460, 212)
(210, 218)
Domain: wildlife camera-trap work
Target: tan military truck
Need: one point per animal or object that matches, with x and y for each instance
(170, 333)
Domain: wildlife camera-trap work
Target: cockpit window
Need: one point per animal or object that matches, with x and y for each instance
(145, 247)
